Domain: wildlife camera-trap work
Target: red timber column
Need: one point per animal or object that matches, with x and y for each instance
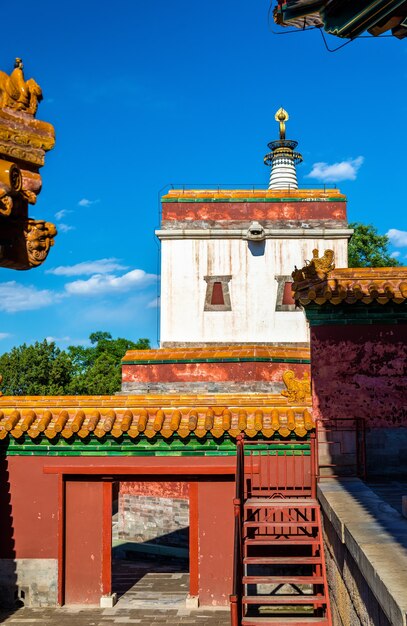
(216, 523)
(87, 541)
(193, 540)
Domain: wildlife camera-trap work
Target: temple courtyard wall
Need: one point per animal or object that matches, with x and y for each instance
(56, 515)
(360, 373)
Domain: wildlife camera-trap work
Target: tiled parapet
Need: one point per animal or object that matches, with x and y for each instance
(212, 369)
(230, 353)
(276, 209)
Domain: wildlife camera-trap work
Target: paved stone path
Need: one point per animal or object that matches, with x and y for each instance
(150, 592)
(114, 617)
(151, 583)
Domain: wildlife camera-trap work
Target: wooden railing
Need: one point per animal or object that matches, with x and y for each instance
(279, 468)
(272, 469)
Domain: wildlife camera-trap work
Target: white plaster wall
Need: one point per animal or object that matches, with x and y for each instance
(253, 289)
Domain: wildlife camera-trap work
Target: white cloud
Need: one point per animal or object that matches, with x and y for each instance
(50, 338)
(4, 335)
(86, 202)
(397, 238)
(395, 254)
(109, 283)
(154, 304)
(60, 214)
(344, 170)
(86, 268)
(65, 228)
(67, 340)
(16, 297)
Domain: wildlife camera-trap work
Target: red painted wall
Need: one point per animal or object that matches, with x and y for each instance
(210, 372)
(360, 371)
(28, 509)
(83, 542)
(216, 527)
(218, 211)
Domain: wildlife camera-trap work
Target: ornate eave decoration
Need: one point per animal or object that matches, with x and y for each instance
(297, 389)
(344, 18)
(24, 140)
(319, 282)
(317, 268)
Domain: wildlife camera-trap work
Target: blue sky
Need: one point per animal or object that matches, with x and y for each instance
(144, 94)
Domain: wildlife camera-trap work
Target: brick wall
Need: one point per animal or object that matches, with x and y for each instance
(154, 512)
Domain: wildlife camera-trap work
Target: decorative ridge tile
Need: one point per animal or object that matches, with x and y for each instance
(254, 195)
(353, 285)
(215, 354)
(84, 422)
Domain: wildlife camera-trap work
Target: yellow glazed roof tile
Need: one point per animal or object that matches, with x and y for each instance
(352, 285)
(218, 352)
(203, 194)
(73, 417)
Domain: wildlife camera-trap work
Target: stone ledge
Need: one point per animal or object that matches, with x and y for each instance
(262, 386)
(375, 535)
(270, 233)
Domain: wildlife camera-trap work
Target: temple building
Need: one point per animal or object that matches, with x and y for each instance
(232, 252)
(218, 443)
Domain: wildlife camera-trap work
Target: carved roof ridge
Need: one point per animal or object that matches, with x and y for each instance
(352, 285)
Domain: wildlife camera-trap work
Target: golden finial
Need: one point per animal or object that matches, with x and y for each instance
(281, 116)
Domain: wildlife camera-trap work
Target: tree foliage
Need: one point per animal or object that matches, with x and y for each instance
(35, 370)
(369, 249)
(45, 369)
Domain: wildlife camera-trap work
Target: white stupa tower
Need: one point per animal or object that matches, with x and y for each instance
(282, 158)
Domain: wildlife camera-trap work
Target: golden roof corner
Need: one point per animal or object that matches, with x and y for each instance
(24, 141)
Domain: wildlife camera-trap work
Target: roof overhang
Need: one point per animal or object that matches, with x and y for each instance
(345, 18)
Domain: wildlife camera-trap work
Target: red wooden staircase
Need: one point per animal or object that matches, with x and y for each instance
(279, 568)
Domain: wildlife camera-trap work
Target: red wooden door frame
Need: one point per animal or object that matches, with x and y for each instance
(64, 475)
(61, 539)
(193, 540)
(107, 538)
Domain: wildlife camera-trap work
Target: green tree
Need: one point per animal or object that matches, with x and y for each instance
(45, 369)
(97, 368)
(369, 249)
(39, 369)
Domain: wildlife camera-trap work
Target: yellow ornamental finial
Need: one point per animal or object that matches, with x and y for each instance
(281, 116)
(17, 93)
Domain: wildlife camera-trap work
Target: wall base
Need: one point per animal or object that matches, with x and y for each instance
(28, 582)
(386, 451)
